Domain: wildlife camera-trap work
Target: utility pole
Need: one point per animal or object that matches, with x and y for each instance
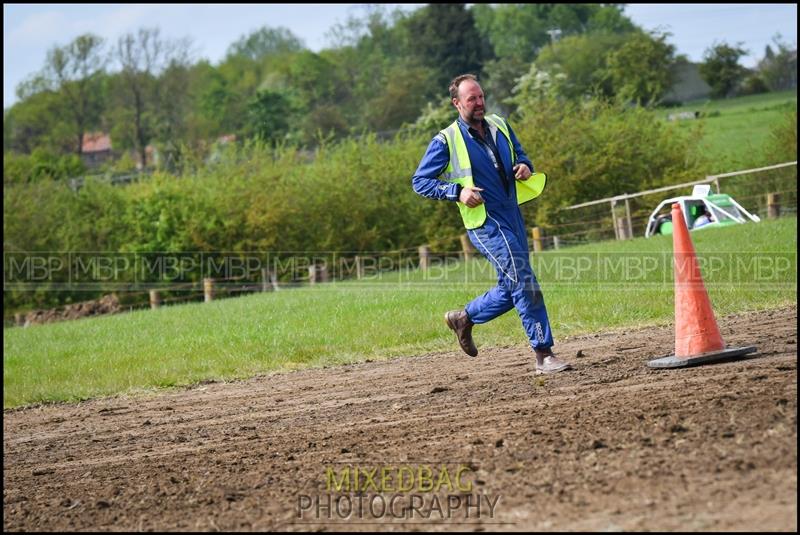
(555, 35)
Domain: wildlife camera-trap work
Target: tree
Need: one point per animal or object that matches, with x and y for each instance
(386, 84)
(501, 76)
(598, 148)
(229, 88)
(537, 85)
(515, 30)
(264, 42)
(520, 31)
(268, 116)
(721, 70)
(315, 78)
(446, 40)
(37, 121)
(75, 71)
(173, 100)
(779, 69)
(142, 58)
(40, 164)
(640, 70)
(576, 66)
(400, 98)
(60, 102)
(610, 18)
(217, 102)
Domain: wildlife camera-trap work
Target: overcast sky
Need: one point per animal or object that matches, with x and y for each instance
(29, 30)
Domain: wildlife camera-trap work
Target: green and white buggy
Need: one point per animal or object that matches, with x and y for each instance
(722, 209)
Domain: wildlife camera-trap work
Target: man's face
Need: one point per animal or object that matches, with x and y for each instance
(469, 102)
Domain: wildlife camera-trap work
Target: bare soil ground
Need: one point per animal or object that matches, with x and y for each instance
(612, 445)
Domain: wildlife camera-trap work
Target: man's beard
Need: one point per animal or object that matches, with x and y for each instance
(471, 117)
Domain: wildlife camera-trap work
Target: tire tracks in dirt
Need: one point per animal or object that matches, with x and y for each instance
(610, 445)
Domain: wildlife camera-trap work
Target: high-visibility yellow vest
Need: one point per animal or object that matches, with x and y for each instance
(459, 171)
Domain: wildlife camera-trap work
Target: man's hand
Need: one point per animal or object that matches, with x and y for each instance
(521, 171)
(471, 196)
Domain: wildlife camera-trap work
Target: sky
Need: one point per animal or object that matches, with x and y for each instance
(30, 30)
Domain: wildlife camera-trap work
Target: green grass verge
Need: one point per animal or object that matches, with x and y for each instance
(589, 288)
(736, 130)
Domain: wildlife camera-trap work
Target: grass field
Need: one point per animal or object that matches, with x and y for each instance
(596, 287)
(737, 129)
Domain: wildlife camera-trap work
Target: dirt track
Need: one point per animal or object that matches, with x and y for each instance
(611, 445)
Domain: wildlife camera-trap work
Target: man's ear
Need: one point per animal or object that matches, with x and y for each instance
(454, 101)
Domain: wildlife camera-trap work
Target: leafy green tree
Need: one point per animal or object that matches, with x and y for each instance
(501, 76)
(39, 165)
(318, 92)
(37, 121)
(753, 84)
(571, 19)
(266, 41)
(610, 18)
(778, 69)
(75, 71)
(521, 31)
(640, 70)
(223, 98)
(599, 148)
(268, 116)
(324, 123)
(142, 58)
(515, 31)
(314, 77)
(401, 97)
(721, 69)
(215, 98)
(445, 39)
(386, 84)
(435, 117)
(536, 85)
(577, 65)
(173, 99)
(203, 121)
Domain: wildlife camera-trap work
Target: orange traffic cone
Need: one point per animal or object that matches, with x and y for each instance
(697, 337)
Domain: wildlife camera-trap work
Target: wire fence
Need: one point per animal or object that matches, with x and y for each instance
(115, 179)
(625, 216)
(767, 192)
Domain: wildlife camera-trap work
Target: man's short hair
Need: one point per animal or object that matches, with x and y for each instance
(457, 81)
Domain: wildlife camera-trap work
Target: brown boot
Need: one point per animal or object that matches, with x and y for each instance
(459, 321)
(549, 363)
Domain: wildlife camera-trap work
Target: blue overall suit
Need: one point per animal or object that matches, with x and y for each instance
(502, 239)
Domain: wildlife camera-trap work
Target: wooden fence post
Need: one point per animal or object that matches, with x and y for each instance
(467, 249)
(537, 239)
(629, 226)
(269, 282)
(424, 257)
(208, 289)
(155, 299)
(614, 221)
(265, 280)
(317, 274)
(622, 229)
(359, 267)
(773, 206)
(556, 242)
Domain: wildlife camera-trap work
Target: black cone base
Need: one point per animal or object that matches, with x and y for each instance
(704, 358)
